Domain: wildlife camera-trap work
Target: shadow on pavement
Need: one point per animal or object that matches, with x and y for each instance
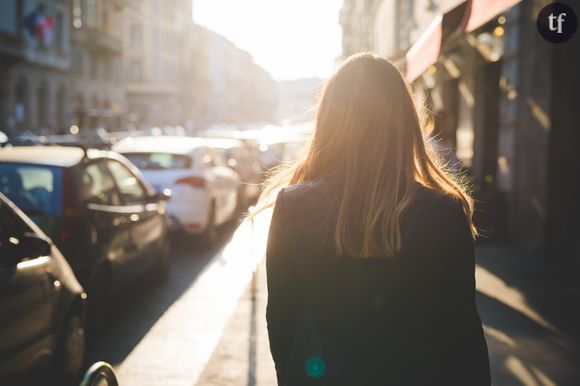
(530, 322)
(136, 309)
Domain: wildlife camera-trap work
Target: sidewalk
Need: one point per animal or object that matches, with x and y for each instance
(530, 319)
(242, 357)
(175, 346)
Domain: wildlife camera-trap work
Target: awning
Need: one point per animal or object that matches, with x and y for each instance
(481, 11)
(425, 51)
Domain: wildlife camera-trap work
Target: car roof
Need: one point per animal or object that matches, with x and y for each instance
(61, 156)
(223, 143)
(159, 144)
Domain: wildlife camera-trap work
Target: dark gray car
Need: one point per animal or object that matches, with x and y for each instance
(108, 222)
(42, 305)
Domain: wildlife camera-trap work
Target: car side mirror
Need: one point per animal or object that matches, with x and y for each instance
(163, 195)
(28, 246)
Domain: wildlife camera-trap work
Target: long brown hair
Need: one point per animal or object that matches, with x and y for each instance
(368, 138)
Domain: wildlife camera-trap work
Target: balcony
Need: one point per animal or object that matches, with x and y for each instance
(103, 42)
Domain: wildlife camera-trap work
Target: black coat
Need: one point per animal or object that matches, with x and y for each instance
(406, 320)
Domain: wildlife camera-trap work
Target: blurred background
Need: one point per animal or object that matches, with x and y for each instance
(135, 134)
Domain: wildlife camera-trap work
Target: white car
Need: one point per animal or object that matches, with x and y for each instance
(204, 189)
(240, 158)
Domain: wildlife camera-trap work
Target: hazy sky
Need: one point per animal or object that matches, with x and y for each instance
(289, 38)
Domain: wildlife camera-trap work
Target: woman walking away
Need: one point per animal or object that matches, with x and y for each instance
(370, 257)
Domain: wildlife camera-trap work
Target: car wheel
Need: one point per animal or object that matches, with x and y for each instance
(71, 349)
(210, 235)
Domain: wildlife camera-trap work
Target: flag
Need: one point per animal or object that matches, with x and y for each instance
(40, 26)
(45, 30)
(30, 22)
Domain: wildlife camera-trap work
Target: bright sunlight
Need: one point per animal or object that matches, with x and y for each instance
(290, 39)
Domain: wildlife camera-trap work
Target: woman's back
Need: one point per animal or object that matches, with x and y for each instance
(403, 320)
(370, 274)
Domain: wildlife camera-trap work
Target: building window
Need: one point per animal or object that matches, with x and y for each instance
(157, 64)
(94, 113)
(61, 108)
(154, 38)
(41, 106)
(105, 16)
(411, 11)
(136, 35)
(8, 17)
(77, 60)
(136, 70)
(118, 71)
(21, 105)
(59, 30)
(95, 70)
(108, 73)
(92, 13)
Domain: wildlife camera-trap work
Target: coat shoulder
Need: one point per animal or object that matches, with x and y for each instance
(432, 215)
(434, 202)
(306, 194)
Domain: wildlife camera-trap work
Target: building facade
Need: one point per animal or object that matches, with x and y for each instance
(502, 98)
(80, 65)
(156, 57)
(356, 18)
(397, 24)
(228, 87)
(98, 94)
(34, 65)
(386, 27)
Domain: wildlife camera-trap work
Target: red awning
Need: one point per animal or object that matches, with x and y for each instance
(425, 51)
(481, 11)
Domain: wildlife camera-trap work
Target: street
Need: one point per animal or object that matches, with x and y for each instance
(206, 325)
(135, 134)
(165, 334)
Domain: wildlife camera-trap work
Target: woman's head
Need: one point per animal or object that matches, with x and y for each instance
(368, 139)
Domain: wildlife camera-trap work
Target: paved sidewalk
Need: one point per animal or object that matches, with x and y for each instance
(176, 348)
(242, 358)
(531, 317)
(529, 320)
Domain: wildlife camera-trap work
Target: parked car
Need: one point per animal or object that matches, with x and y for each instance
(42, 305)
(204, 189)
(239, 157)
(109, 223)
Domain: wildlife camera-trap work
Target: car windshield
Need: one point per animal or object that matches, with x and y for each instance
(36, 189)
(158, 161)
